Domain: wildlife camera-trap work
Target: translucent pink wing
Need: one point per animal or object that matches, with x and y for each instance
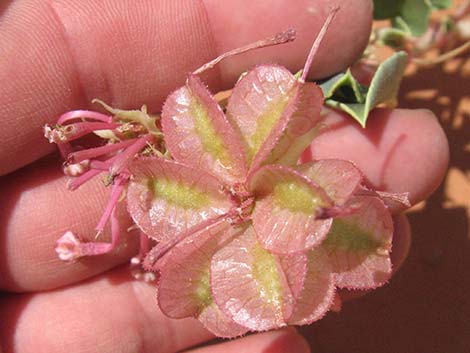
(219, 324)
(295, 276)
(184, 285)
(166, 198)
(359, 245)
(339, 178)
(286, 209)
(250, 285)
(261, 106)
(198, 134)
(301, 129)
(318, 290)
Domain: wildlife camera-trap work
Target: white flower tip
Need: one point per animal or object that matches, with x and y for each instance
(54, 135)
(68, 247)
(76, 169)
(49, 133)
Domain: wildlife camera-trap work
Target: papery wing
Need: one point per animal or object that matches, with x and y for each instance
(198, 134)
(166, 198)
(220, 324)
(297, 270)
(318, 290)
(302, 127)
(261, 105)
(339, 178)
(286, 209)
(359, 245)
(184, 284)
(250, 285)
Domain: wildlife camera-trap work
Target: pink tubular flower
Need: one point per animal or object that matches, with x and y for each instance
(128, 133)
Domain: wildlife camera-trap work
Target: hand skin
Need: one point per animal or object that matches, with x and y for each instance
(58, 55)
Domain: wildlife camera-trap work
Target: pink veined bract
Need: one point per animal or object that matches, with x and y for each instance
(244, 238)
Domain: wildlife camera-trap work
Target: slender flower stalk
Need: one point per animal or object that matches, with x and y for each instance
(74, 184)
(124, 158)
(96, 152)
(68, 133)
(84, 114)
(117, 189)
(113, 158)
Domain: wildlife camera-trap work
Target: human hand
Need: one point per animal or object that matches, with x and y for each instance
(58, 56)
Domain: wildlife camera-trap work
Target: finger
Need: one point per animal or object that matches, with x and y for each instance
(234, 23)
(37, 208)
(58, 55)
(400, 151)
(111, 313)
(27, 250)
(280, 341)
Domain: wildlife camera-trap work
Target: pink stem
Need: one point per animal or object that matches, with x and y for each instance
(83, 114)
(100, 165)
(90, 153)
(317, 42)
(280, 38)
(79, 181)
(118, 187)
(64, 149)
(82, 179)
(78, 130)
(98, 248)
(125, 157)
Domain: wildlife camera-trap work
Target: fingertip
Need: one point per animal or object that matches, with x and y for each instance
(400, 150)
(236, 23)
(285, 340)
(38, 209)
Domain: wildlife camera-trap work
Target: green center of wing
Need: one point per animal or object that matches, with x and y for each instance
(211, 142)
(266, 275)
(203, 290)
(346, 236)
(265, 123)
(179, 194)
(296, 197)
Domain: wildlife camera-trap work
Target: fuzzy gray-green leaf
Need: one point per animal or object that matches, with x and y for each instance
(344, 87)
(384, 9)
(392, 37)
(439, 4)
(383, 88)
(415, 13)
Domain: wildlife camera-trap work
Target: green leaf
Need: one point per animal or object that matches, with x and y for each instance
(383, 88)
(384, 9)
(408, 15)
(344, 87)
(415, 13)
(392, 37)
(439, 4)
(399, 24)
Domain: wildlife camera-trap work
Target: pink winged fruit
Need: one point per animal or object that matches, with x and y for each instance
(247, 239)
